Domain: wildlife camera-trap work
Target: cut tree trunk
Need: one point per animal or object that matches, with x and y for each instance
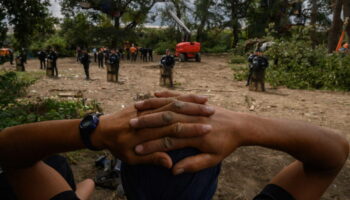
(336, 29)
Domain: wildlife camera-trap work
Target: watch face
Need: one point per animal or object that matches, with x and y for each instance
(88, 122)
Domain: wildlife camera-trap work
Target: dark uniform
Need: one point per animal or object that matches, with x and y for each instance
(257, 67)
(85, 60)
(106, 54)
(42, 57)
(150, 54)
(121, 52)
(11, 56)
(20, 60)
(143, 52)
(167, 64)
(114, 60)
(53, 58)
(100, 59)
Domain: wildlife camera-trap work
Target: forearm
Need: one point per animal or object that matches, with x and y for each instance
(24, 145)
(315, 147)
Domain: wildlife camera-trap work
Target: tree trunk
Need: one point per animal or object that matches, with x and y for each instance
(313, 23)
(346, 12)
(335, 31)
(235, 31)
(117, 23)
(235, 23)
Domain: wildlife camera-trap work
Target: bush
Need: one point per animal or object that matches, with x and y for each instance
(43, 110)
(237, 59)
(162, 46)
(13, 85)
(14, 112)
(298, 66)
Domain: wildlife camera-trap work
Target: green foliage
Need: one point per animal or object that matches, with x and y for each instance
(14, 111)
(240, 71)
(13, 85)
(301, 67)
(237, 59)
(25, 17)
(48, 109)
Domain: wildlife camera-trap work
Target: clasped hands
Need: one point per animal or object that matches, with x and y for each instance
(141, 134)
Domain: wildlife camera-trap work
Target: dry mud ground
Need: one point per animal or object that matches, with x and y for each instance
(247, 170)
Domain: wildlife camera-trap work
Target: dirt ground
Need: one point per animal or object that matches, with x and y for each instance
(247, 170)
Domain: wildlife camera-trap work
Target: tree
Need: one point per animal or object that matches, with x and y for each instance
(115, 9)
(76, 30)
(130, 13)
(24, 16)
(336, 28)
(202, 14)
(236, 11)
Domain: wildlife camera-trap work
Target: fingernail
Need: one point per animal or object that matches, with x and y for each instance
(139, 104)
(206, 128)
(179, 171)
(139, 148)
(133, 122)
(209, 109)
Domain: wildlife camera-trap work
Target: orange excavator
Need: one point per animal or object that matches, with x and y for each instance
(340, 42)
(186, 50)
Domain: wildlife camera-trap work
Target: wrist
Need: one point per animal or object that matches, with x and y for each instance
(240, 128)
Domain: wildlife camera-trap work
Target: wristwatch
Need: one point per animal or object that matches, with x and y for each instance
(87, 127)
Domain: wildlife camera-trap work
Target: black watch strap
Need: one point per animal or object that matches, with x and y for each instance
(85, 132)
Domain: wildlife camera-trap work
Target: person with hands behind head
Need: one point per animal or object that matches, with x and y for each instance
(30, 171)
(320, 153)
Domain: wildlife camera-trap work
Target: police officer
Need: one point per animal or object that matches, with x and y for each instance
(53, 57)
(150, 54)
(85, 60)
(100, 58)
(114, 60)
(20, 60)
(94, 50)
(167, 64)
(42, 57)
(11, 56)
(250, 66)
(106, 54)
(258, 65)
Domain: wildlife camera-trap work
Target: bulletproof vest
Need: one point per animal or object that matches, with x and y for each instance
(260, 62)
(113, 59)
(168, 61)
(84, 59)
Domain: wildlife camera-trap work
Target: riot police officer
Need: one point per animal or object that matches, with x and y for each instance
(42, 57)
(20, 60)
(167, 64)
(100, 56)
(114, 60)
(257, 67)
(52, 56)
(85, 60)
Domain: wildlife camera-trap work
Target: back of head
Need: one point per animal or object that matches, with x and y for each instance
(148, 182)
